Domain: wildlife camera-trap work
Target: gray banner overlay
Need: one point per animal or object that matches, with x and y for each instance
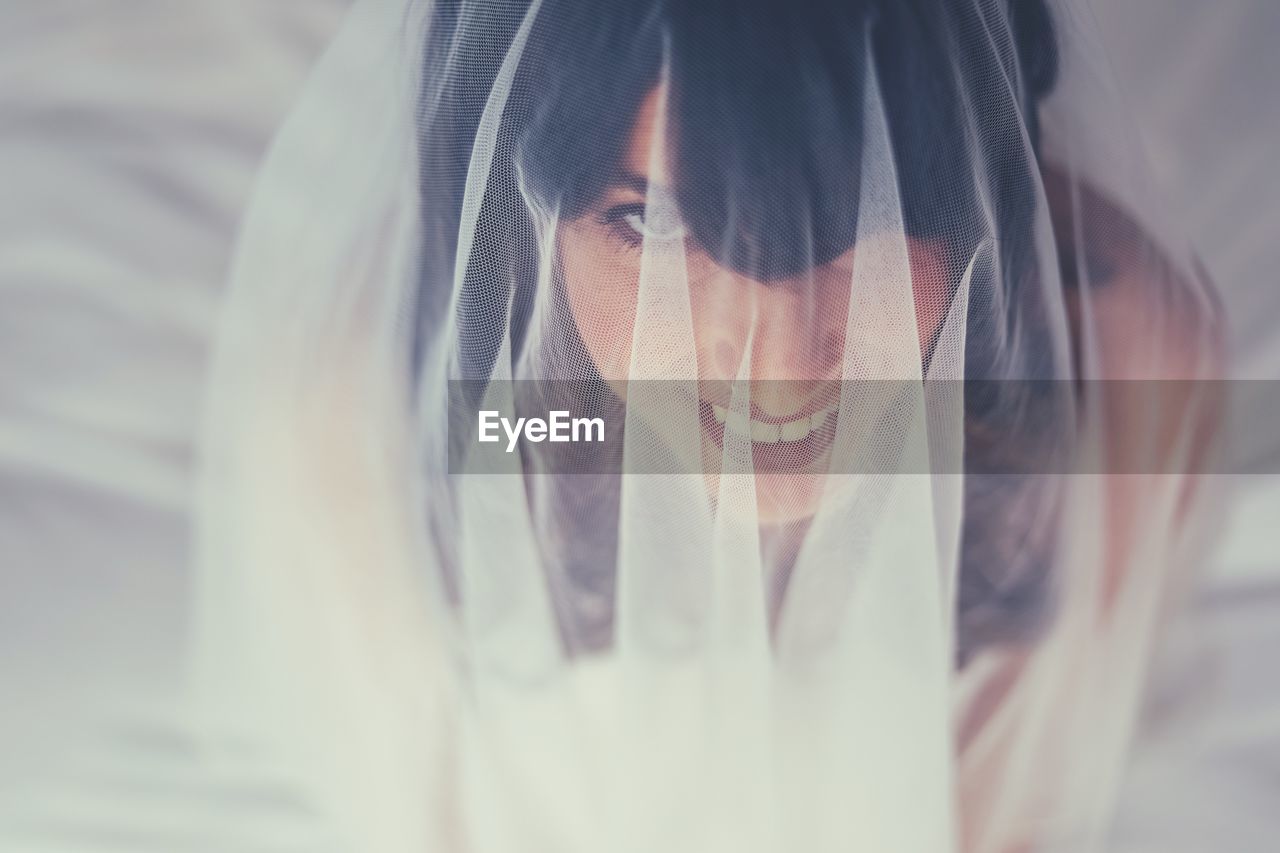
(989, 427)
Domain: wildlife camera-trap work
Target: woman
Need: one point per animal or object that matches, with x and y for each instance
(868, 557)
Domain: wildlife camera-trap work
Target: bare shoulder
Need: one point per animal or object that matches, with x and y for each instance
(1152, 326)
(1137, 311)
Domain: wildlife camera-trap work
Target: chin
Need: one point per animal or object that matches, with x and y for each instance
(780, 498)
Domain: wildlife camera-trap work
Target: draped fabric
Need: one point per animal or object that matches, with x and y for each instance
(898, 368)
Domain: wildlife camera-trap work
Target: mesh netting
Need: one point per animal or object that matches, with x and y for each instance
(850, 566)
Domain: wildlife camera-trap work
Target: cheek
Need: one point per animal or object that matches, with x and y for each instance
(720, 311)
(600, 287)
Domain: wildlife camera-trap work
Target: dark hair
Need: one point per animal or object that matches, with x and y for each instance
(766, 108)
(766, 111)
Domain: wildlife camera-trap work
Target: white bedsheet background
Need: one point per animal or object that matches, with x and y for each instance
(129, 133)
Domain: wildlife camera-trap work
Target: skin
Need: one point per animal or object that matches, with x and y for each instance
(1144, 322)
(1156, 338)
(790, 330)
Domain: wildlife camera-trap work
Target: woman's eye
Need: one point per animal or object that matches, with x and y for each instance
(659, 228)
(636, 226)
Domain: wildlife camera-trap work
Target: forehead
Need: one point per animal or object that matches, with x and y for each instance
(645, 152)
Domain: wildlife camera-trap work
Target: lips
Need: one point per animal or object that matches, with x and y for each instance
(772, 432)
(787, 446)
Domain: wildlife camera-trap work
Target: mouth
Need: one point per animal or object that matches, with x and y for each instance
(785, 445)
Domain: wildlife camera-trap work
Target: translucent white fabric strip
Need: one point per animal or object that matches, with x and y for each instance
(866, 575)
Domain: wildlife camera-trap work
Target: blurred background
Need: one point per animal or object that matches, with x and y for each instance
(130, 132)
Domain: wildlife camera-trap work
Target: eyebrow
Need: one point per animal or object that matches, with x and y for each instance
(629, 180)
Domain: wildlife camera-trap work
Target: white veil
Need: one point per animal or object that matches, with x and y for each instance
(896, 368)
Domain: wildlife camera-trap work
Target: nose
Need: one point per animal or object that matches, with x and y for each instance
(795, 333)
(798, 334)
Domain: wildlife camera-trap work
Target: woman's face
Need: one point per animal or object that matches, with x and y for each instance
(787, 337)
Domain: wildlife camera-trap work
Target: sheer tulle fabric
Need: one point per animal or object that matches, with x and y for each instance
(731, 640)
